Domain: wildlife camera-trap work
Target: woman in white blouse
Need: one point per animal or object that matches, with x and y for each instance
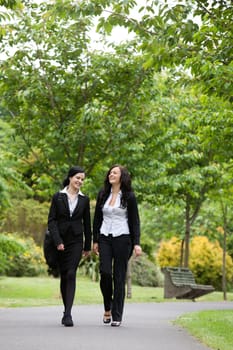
(116, 233)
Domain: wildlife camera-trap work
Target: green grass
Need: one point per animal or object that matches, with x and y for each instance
(26, 291)
(213, 328)
(42, 291)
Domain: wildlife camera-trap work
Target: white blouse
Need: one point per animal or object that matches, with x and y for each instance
(115, 218)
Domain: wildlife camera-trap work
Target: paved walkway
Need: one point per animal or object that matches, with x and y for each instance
(145, 326)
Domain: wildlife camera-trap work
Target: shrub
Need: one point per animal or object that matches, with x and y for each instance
(169, 252)
(145, 273)
(3, 262)
(205, 259)
(89, 266)
(28, 217)
(20, 257)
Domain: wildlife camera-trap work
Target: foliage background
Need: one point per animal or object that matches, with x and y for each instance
(159, 102)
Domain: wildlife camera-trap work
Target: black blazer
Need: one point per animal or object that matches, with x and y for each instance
(133, 219)
(59, 220)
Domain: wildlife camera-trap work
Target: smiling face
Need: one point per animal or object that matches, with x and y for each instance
(114, 176)
(76, 181)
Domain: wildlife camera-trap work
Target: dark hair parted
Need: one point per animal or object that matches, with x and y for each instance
(125, 185)
(72, 171)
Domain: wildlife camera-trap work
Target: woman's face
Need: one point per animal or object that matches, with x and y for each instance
(114, 176)
(76, 181)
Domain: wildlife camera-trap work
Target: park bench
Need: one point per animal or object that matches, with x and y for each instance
(179, 283)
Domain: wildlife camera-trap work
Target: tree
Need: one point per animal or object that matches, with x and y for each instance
(223, 196)
(185, 156)
(10, 177)
(171, 136)
(196, 35)
(67, 103)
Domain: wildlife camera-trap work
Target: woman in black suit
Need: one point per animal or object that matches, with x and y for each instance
(116, 231)
(70, 226)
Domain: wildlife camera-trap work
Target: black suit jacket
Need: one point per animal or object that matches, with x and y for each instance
(59, 220)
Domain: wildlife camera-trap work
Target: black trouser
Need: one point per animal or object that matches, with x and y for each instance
(69, 261)
(114, 256)
(67, 287)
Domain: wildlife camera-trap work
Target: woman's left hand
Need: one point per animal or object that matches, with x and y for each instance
(137, 250)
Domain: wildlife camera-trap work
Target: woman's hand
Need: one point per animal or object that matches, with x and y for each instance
(96, 248)
(61, 247)
(86, 253)
(137, 250)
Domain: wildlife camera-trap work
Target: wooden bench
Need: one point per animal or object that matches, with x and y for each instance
(179, 283)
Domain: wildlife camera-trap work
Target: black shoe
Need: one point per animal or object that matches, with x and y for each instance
(67, 321)
(62, 320)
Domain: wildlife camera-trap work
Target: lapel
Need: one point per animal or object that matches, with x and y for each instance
(80, 200)
(63, 197)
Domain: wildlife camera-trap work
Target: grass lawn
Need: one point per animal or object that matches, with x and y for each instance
(42, 291)
(213, 328)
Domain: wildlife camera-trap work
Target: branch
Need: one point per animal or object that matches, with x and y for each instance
(131, 20)
(200, 3)
(198, 206)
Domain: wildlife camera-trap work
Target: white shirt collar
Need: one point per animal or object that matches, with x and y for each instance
(64, 190)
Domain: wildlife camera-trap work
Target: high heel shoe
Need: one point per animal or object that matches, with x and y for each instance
(107, 317)
(116, 323)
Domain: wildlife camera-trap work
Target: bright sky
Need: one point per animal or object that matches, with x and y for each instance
(119, 34)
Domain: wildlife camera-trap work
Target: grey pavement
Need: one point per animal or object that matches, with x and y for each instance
(144, 326)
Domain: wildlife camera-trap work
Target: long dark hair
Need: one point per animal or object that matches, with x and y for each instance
(125, 185)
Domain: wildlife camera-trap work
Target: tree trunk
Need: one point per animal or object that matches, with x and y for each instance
(182, 253)
(187, 234)
(129, 280)
(224, 284)
(224, 267)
